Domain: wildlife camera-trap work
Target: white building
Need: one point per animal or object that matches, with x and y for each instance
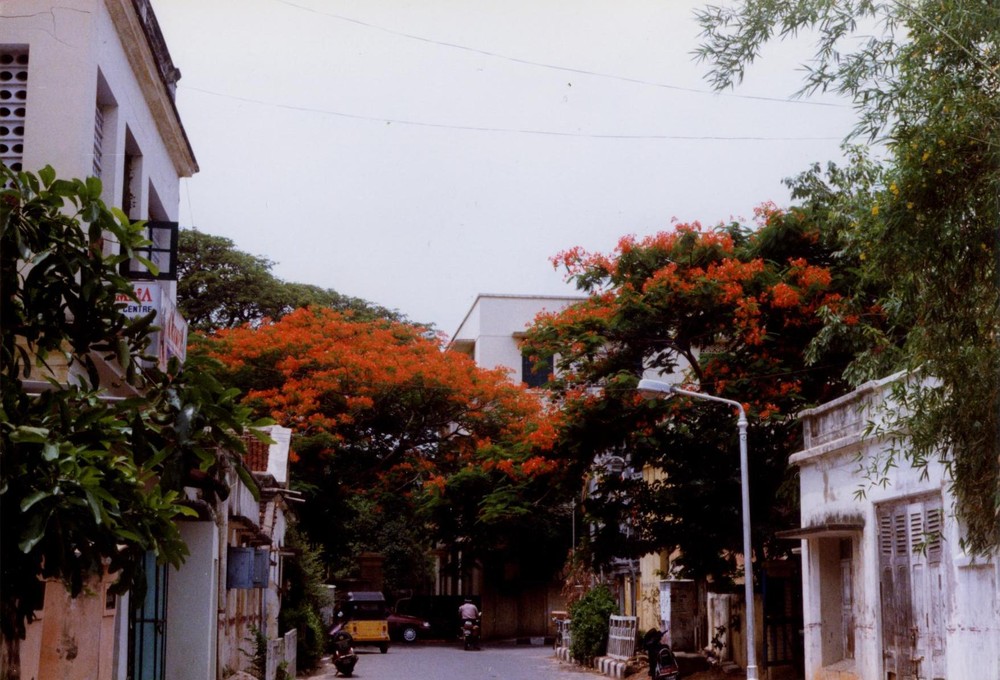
(87, 86)
(888, 592)
(494, 328)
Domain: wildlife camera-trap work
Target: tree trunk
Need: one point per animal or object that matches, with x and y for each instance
(10, 658)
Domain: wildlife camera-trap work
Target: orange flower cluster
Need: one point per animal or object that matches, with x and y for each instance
(693, 287)
(379, 383)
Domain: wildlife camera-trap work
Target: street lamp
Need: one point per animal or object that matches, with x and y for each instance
(658, 388)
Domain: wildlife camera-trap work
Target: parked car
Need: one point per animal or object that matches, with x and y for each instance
(408, 628)
(441, 611)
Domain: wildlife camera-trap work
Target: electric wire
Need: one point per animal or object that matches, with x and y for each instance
(556, 67)
(520, 131)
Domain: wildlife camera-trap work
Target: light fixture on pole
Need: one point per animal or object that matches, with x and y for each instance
(658, 388)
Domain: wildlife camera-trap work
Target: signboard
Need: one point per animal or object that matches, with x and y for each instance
(148, 295)
(173, 333)
(171, 339)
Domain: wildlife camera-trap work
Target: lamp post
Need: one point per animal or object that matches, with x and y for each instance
(659, 388)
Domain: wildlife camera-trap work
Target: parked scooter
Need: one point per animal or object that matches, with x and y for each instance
(470, 633)
(666, 665)
(344, 658)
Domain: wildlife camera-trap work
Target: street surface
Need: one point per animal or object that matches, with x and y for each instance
(450, 662)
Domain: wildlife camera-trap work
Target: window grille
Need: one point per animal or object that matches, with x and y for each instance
(13, 98)
(98, 139)
(161, 251)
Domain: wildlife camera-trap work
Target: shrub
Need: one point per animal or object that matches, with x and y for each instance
(590, 623)
(305, 597)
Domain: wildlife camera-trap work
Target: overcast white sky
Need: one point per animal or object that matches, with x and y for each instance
(416, 153)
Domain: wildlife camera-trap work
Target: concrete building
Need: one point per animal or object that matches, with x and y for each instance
(888, 591)
(493, 328)
(228, 587)
(87, 87)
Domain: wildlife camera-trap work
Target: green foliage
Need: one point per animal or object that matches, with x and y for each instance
(496, 518)
(304, 599)
(392, 529)
(59, 287)
(924, 224)
(221, 287)
(257, 654)
(89, 479)
(590, 616)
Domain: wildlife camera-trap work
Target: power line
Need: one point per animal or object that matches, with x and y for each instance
(555, 67)
(520, 131)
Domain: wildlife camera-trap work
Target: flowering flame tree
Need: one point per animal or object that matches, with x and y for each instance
(381, 413)
(728, 310)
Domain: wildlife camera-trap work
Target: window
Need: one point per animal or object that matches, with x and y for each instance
(98, 139)
(161, 251)
(13, 97)
(535, 373)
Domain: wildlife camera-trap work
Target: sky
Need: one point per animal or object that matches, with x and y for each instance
(417, 153)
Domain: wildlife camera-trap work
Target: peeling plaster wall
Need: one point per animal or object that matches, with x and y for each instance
(834, 490)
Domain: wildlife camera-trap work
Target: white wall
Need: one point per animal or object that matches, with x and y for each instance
(68, 46)
(493, 323)
(191, 606)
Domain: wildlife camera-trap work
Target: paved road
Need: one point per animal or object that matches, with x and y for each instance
(451, 662)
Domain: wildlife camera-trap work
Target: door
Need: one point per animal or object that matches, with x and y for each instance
(147, 626)
(912, 583)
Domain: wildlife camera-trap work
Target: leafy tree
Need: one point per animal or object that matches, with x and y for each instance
(390, 529)
(384, 415)
(923, 224)
(729, 311)
(89, 479)
(222, 287)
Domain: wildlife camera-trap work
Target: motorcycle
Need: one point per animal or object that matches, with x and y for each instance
(344, 658)
(470, 633)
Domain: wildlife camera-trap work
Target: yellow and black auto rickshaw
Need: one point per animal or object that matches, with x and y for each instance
(364, 615)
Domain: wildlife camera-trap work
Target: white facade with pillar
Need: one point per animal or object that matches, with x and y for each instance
(888, 591)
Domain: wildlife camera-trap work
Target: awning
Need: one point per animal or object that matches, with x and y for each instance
(840, 529)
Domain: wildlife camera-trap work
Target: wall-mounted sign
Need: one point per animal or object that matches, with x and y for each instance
(148, 296)
(173, 333)
(171, 339)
